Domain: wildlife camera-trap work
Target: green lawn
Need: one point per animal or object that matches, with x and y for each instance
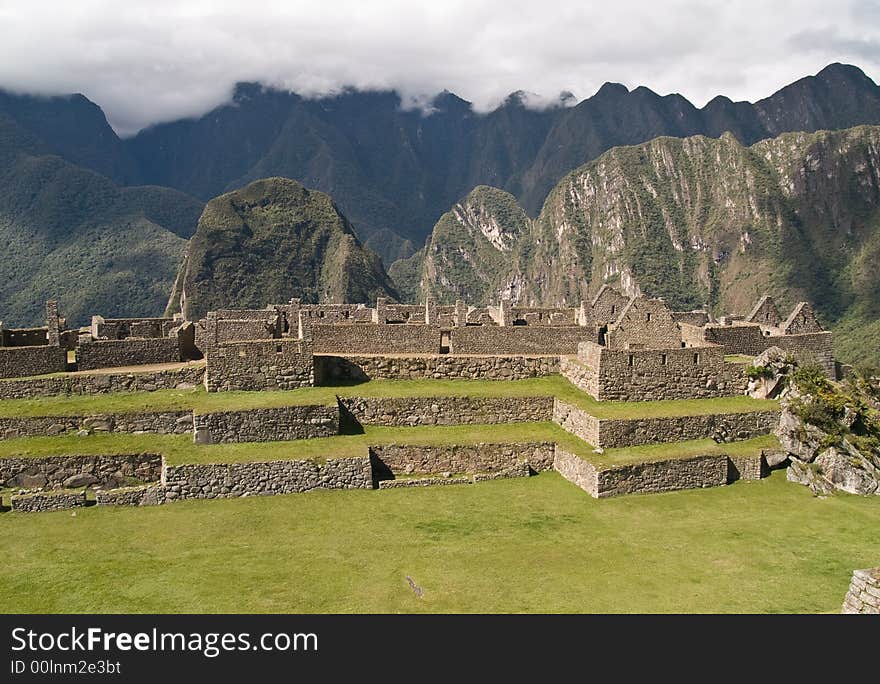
(521, 545)
(205, 402)
(179, 449)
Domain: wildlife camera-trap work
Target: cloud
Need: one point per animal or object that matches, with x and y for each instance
(146, 61)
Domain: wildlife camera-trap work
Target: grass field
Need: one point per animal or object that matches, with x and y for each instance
(204, 402)
(179, 449)
(520, 545)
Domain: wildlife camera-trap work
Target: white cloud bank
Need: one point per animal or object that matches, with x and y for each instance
(146, 61)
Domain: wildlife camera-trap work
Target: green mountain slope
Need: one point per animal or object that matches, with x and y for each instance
(706, 222)
(72, 234)
(271, 241)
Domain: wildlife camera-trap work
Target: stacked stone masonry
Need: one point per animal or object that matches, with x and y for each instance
(863, 596)
(330, 369)
(59, 472)
(47, 501)
(144, 495)
(180, 377)
(411, 411)
(402, 459)
(267, 425)
(166, 423)
(129, 352)
(256, 365)
(17, 362)
(212, 481)
(645, 375)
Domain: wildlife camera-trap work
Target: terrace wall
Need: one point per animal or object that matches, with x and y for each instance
(863, 596)
(225, 480)
(330, 369)
(160, 423)
(183, 377)
(610, 433)
(49, 501)
(19, 362)
(267, 424)
(404, 459)
(55, 472)
(128, 352)
(144, 495)
(410, 411)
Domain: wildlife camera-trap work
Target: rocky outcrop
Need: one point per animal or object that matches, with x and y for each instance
(830, 433)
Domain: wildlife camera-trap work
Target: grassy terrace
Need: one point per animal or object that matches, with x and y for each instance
(179, 449)
(204, 402)
(521, 545)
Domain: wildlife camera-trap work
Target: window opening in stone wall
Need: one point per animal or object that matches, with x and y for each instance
(279, 348)
(663, 359)
(696, 358)
(631, 359)
(649, 317)
(445, 343)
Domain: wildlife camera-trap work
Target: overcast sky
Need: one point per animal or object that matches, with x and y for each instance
(146, 61)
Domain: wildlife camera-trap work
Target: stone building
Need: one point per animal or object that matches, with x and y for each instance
(615, 347)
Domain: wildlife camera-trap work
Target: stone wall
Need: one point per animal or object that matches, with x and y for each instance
(644, 324)
(746, 468)
(576, 421)
(143, 495)
(734, 426)
(267, 424)
(576, 470)
(750, 340)
(807, 348)
(19, 362)
(863, 596)
(610, 433)
(225, 480)
(23, 337)
(259, 365)
(405, 459)
(120, 328)
(47, 501)
(330, 369)
(58, 472)
(656, 476)
(129, 352)
(183, 377)
(644, 375)
(747, 339)
(693, 318)
(412, 411)
(368, 338)
(543, 340)
(581, 374)
(161, 423)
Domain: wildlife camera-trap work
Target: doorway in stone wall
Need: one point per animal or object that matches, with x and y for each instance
(445, 343)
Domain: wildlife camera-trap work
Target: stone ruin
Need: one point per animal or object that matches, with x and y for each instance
(613, 347)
